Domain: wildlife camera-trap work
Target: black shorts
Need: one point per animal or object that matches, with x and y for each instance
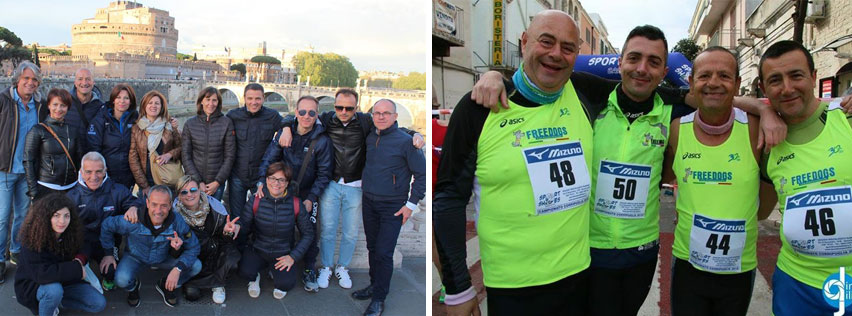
(696, 292)
(568, 296)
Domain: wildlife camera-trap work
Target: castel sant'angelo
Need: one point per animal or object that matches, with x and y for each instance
(127, 40)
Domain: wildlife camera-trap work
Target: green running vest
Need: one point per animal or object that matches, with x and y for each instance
(627, 166)
(823, 165)
(717, 200)
(534, 232)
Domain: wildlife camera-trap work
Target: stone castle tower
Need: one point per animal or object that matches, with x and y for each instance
(126, 27)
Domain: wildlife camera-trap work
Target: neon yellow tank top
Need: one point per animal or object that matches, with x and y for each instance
(812, 181)
(533, 181)
(717, 200)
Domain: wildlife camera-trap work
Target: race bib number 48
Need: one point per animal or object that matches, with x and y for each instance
(717, 245)
(622, 189)
(816, 222)
(559, 176)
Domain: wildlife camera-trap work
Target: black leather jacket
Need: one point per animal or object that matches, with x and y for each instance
(44, 158)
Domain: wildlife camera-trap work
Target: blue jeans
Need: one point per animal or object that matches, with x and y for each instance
(237, 195)
(125, 274)
(219, 192)
(77, 296)
(339, 204)
(13, 198)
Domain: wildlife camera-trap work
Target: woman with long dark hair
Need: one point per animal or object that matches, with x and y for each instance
(51, 269)
(110, 131)
(52, 151)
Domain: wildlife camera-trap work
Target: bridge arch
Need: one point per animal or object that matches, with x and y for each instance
(326, 103)
(230, 97)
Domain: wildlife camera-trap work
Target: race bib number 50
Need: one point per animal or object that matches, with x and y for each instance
(559, 176)
(622, 189)
(816, 222)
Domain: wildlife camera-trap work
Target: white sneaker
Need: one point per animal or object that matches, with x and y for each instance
(279, 294)
(342, 274)
(324, 275)
(254, 287)
(219, 295)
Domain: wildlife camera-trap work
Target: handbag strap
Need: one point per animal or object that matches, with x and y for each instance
(60, 144)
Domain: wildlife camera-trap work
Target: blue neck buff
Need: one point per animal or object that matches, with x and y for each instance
(530, 91)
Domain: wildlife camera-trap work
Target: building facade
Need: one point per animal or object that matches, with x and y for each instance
(749, 27)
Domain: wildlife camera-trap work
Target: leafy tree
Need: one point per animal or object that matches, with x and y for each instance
(412, 81)
(183, 56)
(11, 47)
(239, 67)
(265, 60)
(35, 55)
(688, 48)
(328, 69)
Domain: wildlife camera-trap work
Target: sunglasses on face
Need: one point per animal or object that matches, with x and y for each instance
(312, 113)
(191, 190)
(344, 108)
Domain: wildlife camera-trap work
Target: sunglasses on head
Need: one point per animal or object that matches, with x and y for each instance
(346, 108)
(312, 113)
(185, 192)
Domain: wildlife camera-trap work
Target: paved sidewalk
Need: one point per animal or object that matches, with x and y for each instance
(407, 297)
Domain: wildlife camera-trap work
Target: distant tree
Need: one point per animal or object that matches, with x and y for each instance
(239, 67)
(688, 48)
(328, 69)
(11, 47)
(35, 55)
(195, 57)
(265, 60)
(379, 83)
(183, 56)
(412, 81)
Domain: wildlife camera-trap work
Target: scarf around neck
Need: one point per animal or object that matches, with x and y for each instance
(195, 218)
(530, 91)
(155, 131)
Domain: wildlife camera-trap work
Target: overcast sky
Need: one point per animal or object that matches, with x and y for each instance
(621, 16)
(375, 34)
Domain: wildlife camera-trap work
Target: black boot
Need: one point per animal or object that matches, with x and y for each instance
(363, 294)
(375, 309)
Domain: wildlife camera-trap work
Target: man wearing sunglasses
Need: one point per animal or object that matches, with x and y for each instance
(347, 128)
(311, 157)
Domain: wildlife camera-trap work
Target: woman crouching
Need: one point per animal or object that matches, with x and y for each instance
(216, 231)
(51, 271)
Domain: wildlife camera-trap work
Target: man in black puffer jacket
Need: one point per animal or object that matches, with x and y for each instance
(86, 97)
(254, 125)
(208, 143)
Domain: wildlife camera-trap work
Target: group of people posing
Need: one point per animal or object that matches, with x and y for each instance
(77, 156)
(567, 181)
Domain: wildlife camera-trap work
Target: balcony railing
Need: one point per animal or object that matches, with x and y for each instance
(448, 22)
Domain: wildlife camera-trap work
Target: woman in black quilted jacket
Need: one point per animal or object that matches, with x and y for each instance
(49, 166)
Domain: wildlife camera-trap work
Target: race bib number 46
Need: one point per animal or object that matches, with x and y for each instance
(622, 189)
(559, 176)
(816, 222)
(717, 245)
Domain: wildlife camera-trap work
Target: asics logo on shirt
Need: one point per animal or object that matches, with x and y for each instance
(785, 158)
(513, 121)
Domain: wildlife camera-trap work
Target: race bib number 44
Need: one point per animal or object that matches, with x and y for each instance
(622, 189)
(816, 222)
(717, 245)
(559, 176)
